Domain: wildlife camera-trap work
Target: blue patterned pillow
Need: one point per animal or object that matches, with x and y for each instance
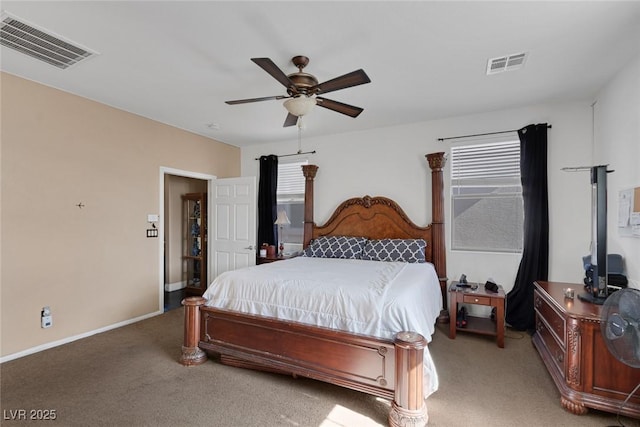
(403, 250)
(336, 247)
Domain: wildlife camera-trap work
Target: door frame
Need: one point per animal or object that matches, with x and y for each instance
(187, 174)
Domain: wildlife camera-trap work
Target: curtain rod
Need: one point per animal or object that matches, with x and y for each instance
(293, 154)
(482, 134)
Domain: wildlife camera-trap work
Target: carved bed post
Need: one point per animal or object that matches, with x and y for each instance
(408, 407)
(436, 163)
(309, 172)
(191, 353)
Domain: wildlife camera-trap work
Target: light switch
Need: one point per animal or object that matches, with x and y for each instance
(152, 218)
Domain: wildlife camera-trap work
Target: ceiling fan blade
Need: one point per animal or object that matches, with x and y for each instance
(265, 98)
(275, 72)
(291, 120)
(353, 78)
(346, 109)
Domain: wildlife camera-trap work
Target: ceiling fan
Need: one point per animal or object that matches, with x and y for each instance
(303, 89)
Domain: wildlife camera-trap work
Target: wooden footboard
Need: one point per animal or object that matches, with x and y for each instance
(392, 369)
(385, 368)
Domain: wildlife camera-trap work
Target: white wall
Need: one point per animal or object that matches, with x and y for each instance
(390, 162)
(617, 143)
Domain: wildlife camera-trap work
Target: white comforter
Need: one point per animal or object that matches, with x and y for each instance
(365, 297)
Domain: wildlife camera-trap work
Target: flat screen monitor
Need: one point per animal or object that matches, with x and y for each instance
(599, 290)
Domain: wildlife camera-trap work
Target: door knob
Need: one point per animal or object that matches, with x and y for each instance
(250, 247)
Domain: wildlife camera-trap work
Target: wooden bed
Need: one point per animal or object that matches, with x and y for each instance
(391, 369)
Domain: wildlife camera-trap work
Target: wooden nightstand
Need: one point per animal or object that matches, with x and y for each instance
(265, 260)
(478, 325)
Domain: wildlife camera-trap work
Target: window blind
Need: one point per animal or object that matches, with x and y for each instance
(486, 161)
(290, 179)
(486, 197)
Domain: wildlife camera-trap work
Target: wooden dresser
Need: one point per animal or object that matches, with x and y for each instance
(569, 341)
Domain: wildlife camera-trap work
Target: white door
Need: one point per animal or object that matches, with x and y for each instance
(233, 204)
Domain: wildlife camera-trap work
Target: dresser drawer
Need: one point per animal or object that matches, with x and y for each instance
(476, 299)
(554, 320)
(555, 350)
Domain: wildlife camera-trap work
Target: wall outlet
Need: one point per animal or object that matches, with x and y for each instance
(46, 319)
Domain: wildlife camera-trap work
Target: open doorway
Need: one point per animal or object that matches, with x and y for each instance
(173, 184)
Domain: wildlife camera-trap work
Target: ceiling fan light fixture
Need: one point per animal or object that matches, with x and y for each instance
(303, 90)
(299, 105)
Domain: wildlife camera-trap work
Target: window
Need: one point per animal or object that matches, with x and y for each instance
(486, 197)
(290, 198)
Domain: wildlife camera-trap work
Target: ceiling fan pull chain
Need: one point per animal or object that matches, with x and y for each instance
(300, 134)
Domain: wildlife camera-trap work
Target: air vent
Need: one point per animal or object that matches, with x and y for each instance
(16, 34)
(506, 63)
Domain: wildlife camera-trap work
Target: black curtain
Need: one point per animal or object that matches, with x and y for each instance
(534, 264)
(267, 203)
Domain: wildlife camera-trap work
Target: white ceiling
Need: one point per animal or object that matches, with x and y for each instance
(177, 62)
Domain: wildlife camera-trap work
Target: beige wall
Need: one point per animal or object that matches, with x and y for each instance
(94, 265)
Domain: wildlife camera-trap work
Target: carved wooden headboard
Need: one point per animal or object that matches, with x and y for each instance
(373, 218)
(380, 217)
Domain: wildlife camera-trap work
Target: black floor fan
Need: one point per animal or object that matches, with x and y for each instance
(620, 327)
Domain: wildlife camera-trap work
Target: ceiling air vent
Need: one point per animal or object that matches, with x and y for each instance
(506, 63)
(16, 34)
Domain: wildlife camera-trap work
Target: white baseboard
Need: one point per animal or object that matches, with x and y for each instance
(47, 346)
(175, 286)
